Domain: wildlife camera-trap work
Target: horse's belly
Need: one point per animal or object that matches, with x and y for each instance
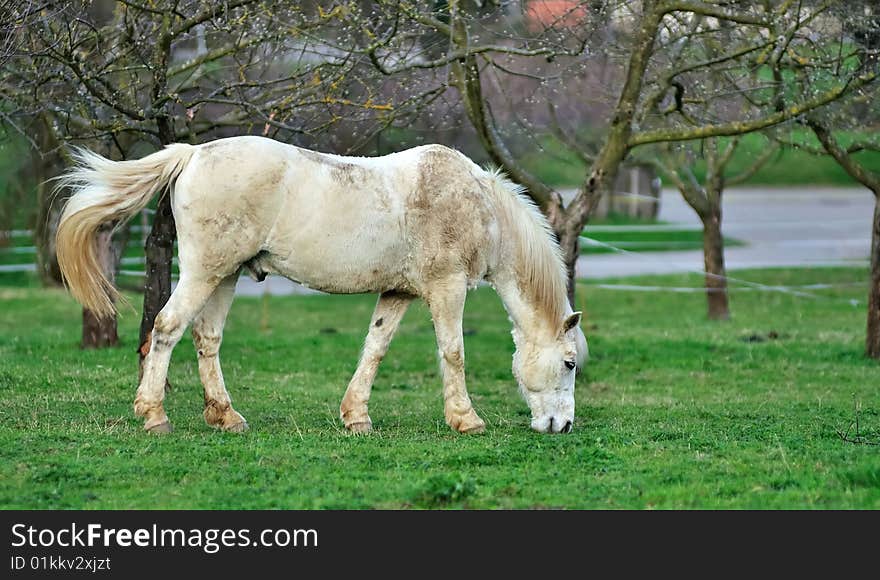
(340, 277)
(341, 258)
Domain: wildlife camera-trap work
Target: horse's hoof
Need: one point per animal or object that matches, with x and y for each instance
(239, 427)
(468, 423)
(473, 430)
(162, 428)
(361, 427)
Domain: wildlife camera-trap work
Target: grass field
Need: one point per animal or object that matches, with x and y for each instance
(637, 240)
(673, 411)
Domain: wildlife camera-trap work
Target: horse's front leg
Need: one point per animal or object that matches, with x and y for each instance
(447, 309)
(387, 315)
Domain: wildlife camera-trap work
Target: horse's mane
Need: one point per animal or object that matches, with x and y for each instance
(540, 269)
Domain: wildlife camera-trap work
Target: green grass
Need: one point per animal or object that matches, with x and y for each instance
(648, 241)
(793, 166)
(621, 219)
(555, 165)
(558, 167)
(673, 411)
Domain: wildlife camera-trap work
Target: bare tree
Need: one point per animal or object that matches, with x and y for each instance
(705, 198)
(840, 129)
(656, 91)
(15, 16)
(846, 156)
(134, 76)
(677, 159)
(96, 332)
(43, 167)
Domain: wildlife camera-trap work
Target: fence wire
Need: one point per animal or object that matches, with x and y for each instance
(749, 285)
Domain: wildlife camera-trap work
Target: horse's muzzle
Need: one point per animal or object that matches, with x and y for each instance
(552, 425)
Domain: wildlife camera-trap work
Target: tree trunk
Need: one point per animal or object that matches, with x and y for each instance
(569, 242)
(101, 332)
(50, 202)
(159, 252)
(871, 180)
(713, 260)
(157, 286)
(872, 342)
(98, 332)
(48, 215)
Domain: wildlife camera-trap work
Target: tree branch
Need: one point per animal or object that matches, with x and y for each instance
(713, 10)
(208, 14)
(740, 127)
(855, 169)
(755, 167)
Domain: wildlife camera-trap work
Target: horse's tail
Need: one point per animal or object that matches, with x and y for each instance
(106, 191)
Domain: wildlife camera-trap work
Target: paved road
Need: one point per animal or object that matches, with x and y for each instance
(781, 227)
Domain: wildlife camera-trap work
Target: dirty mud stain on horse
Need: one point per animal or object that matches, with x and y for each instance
(452, 208)
(222, 222)
(315, 156)
(273, 176)
(359, 180)
(340, 171)
(348, 174)
(218, 258)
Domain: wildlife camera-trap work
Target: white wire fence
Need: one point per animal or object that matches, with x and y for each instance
(620, 248)
(734, 284)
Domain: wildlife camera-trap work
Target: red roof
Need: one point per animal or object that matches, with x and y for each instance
(559, 14)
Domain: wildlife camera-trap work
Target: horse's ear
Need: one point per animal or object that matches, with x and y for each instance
(571, 321)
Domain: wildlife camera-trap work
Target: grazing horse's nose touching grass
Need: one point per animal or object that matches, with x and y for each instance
(565, 428)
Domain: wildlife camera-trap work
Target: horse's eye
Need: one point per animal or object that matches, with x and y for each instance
(570, 364)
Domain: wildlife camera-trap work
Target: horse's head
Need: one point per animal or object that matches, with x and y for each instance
(545, 370)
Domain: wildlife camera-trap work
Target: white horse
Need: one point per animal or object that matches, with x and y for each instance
(426, 222)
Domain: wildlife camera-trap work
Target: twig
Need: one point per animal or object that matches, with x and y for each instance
(858, 438)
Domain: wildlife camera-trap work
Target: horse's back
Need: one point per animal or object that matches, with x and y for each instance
(338, 224)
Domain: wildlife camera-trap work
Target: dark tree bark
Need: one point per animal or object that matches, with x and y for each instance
(713, 261)
(159, 249)
(50, 202)
(571, 250)
(706, 201)
(872, 342)
(159, 252)
(101, 332)
(871, 180)
(98, 332)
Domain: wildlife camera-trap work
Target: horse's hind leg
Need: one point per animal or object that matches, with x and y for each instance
(207, 332)
(446, 302)
(186, 301)
(386, 318)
